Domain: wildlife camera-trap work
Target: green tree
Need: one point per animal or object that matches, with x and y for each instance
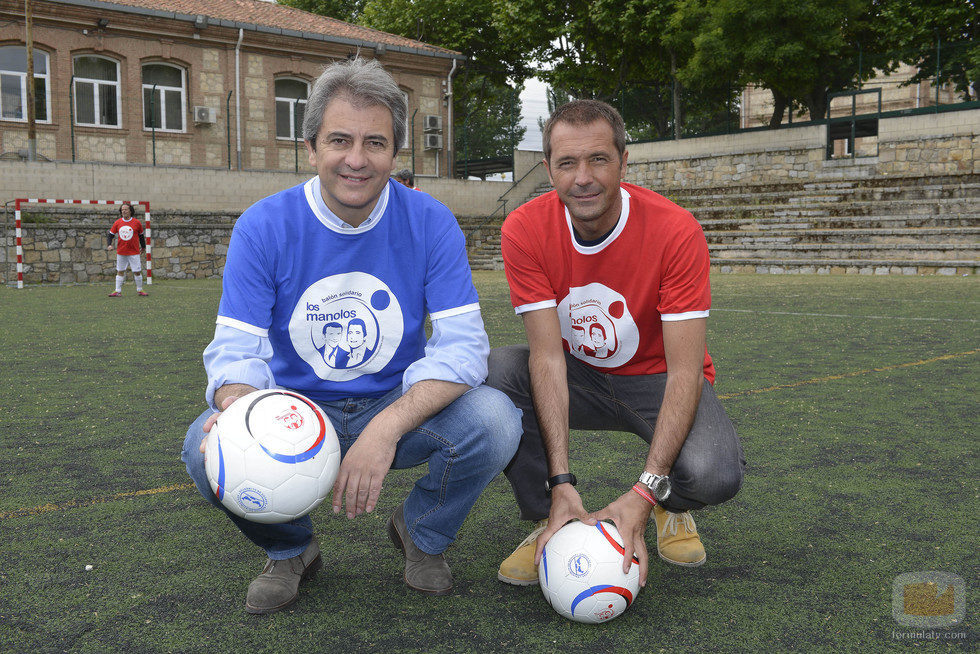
(487, 87)
(590, 48)
(798, 49)
(626, 52)
(939, 36)
(346, 10)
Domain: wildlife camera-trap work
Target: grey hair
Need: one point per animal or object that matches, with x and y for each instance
(364, 83)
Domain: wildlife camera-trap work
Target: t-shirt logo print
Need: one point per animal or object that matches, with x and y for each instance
(597, 325)
(347, 325)
(126, 233)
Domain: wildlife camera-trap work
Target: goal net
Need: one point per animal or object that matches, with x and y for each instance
(146, 225)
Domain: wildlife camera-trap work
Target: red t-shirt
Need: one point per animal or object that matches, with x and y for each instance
(128, 232)
(611, 297)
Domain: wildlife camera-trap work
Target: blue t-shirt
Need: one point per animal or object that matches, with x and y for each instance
(344, 309)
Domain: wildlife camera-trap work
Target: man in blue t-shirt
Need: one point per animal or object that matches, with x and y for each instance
(326, 289)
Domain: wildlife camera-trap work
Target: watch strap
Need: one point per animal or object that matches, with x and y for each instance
(566, 478)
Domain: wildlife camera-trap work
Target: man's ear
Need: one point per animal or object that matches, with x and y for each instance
(310, 151)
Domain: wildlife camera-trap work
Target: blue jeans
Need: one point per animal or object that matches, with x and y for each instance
(466, 445)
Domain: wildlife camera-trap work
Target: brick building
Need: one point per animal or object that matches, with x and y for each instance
(216, 84)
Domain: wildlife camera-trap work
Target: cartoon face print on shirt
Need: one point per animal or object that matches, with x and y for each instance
(347, 325)
(597, 325)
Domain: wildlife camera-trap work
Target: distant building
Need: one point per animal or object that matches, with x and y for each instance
(213, 83)
(757, 103)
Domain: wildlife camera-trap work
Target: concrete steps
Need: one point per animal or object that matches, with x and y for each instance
(865, 235)
(850, 222)
(889, 251)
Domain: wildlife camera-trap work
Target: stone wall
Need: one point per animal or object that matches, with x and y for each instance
(65, 247)
(925, 144)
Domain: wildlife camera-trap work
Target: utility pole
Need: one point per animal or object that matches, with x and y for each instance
(31, 131)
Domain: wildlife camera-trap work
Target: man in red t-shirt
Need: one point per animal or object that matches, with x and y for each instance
(611, 280)
(131, 243)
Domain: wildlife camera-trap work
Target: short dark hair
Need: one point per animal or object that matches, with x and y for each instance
(357, 322)
(596, 325)
(407, 175)
(586, 112)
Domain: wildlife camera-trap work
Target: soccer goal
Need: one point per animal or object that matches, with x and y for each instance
(146, 225)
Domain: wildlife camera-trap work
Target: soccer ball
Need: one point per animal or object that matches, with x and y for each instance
(581, 573)
(272, 456)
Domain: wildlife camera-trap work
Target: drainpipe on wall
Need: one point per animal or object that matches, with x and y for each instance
(450, 152)
(238, 98)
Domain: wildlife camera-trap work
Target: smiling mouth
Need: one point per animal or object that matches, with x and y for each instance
(354, 179)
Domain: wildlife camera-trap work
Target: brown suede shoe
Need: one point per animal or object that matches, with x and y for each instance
(426, 573)
(278, 585)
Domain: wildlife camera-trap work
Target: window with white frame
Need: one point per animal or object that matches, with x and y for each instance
(13, 84)
(164, 103)
(290, 108)
(96, 91)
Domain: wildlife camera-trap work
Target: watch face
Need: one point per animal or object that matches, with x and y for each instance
(661, 488)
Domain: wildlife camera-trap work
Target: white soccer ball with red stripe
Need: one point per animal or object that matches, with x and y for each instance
(581, 573)
(272, 456)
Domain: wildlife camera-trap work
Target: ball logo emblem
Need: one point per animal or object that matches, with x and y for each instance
(605, 613)
(126, 233)
(290, 419)
(251, 499)
(579, 565)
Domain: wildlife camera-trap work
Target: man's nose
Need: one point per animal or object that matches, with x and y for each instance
(356, 158)
(583, 174)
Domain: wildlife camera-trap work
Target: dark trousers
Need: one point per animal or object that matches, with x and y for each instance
(707, 471)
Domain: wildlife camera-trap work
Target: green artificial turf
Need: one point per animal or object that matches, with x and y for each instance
(855, 398)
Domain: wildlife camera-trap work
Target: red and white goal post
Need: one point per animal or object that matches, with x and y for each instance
(146, 220)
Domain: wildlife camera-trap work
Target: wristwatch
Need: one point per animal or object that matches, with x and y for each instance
(567, 478)
(659, 485)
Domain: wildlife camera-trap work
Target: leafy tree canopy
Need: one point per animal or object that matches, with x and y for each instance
(939, 34)
(345, 10)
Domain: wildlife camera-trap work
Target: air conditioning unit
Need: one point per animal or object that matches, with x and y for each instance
(433, 123)
(433, 141)
(205, 115)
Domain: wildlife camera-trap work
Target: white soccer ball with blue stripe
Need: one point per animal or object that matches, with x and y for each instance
(581, 573)
(272, 456)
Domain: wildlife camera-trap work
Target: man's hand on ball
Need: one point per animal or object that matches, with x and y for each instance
(224, 397)
(630, 513)
(566, 505)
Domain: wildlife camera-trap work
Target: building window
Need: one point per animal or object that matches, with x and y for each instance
(96, 91)
(164, 106)
(290, 108)
(13, 84)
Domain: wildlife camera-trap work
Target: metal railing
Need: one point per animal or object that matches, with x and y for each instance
(503, 203)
